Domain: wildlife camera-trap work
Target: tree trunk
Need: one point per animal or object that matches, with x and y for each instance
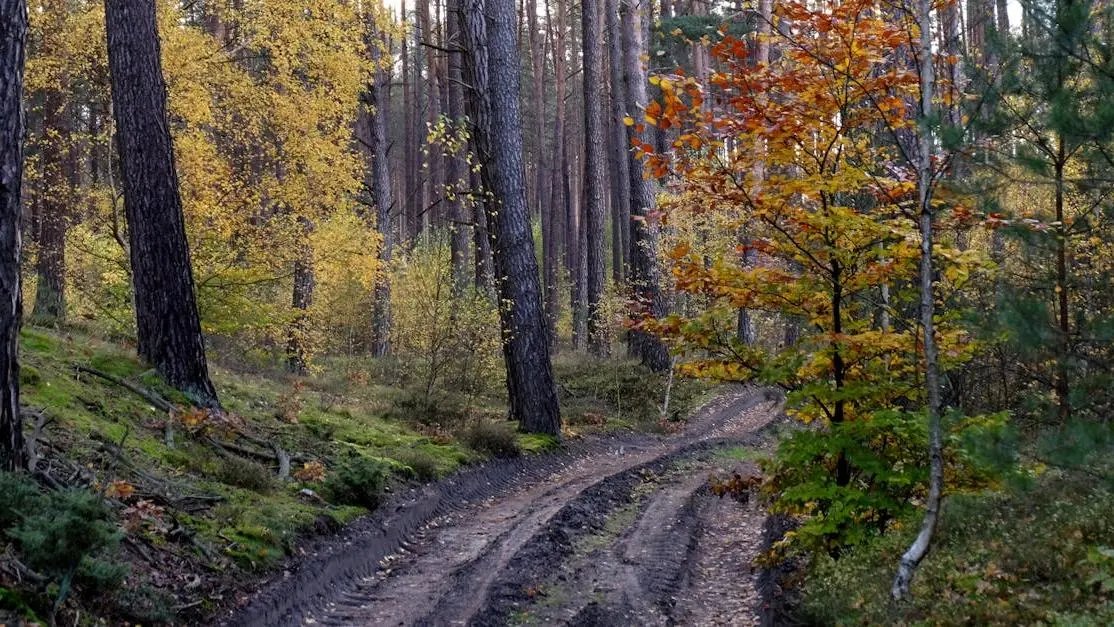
(919, 548)
(13, 32)
(61, 178)
(297, 358)
(167, 322)
(410, 184)
(378, 106)
(620, 189)
(457, 169)
(594, 174)
(645, 273)
(558, 177)
(1063, 384)
(492, 69)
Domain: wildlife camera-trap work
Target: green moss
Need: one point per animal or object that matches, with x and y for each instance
(537, 442)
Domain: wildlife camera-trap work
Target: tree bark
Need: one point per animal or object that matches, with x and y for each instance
(919, 548)
(645, 273)
(297, 357)
(13, 32)
(488, 28)
(378, 105)
(167, 321)
(558, 177)
(620, 175)
(457, 169)
(594, 174)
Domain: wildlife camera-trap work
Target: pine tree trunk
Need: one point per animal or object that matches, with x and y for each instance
(620, 173)
(379, 111)
(594, 175)
(492, 71)
(13, 32)
(559, 179)
(410, 182)
(457, 169)
(61, 174)
(167, 322)
(297, 358)
(919, 548)
(645, 274)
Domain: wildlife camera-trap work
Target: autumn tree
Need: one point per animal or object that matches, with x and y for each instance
(167, 321)
(13, 21)
(491, 68)
(827, 206)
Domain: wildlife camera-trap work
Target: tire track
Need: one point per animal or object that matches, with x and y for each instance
(432, 555)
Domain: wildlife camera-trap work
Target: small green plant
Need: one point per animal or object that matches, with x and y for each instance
(422, 464)
(357, 480)
(497, 439)
(65, 534)
(17, 493)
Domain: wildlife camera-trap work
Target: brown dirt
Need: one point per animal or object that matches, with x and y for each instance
(619, 530)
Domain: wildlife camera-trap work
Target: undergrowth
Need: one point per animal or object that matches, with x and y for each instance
(354, 428)
(1043, 555)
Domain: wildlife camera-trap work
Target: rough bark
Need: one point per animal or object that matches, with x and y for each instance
(620, 189)
(167, 322)
(919, 548)
(645, 273)
(13, 32)
(558, 177)
(491, 66)
(378, 105)
(456, 168)
(594, 208)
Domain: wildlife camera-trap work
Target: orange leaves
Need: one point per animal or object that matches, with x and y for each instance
(310, 472)
(120, 490)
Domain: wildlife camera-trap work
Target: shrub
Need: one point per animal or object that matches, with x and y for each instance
(245, 474)
(357, 480)
(422, 464)
(18, 496)
(62, 528)
(1023, 557)
(497, 439)
(442, 339)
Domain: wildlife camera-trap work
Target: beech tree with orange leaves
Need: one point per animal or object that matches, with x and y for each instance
(829, 203)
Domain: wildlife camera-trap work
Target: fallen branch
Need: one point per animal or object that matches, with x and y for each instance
(150, 396)
(31, 444)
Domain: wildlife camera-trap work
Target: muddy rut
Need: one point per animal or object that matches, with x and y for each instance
(613, 531)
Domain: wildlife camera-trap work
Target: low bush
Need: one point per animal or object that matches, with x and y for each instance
(1042, 555)
(245, 474)
(496, 439)
(357, 480)
(422, 464)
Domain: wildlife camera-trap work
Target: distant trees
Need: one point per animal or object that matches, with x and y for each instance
(13, 31)
(167, 322)
(491, 68)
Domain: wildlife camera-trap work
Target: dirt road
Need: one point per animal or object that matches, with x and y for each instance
(614, 531)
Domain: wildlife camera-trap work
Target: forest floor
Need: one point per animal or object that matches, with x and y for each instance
(615, 529)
